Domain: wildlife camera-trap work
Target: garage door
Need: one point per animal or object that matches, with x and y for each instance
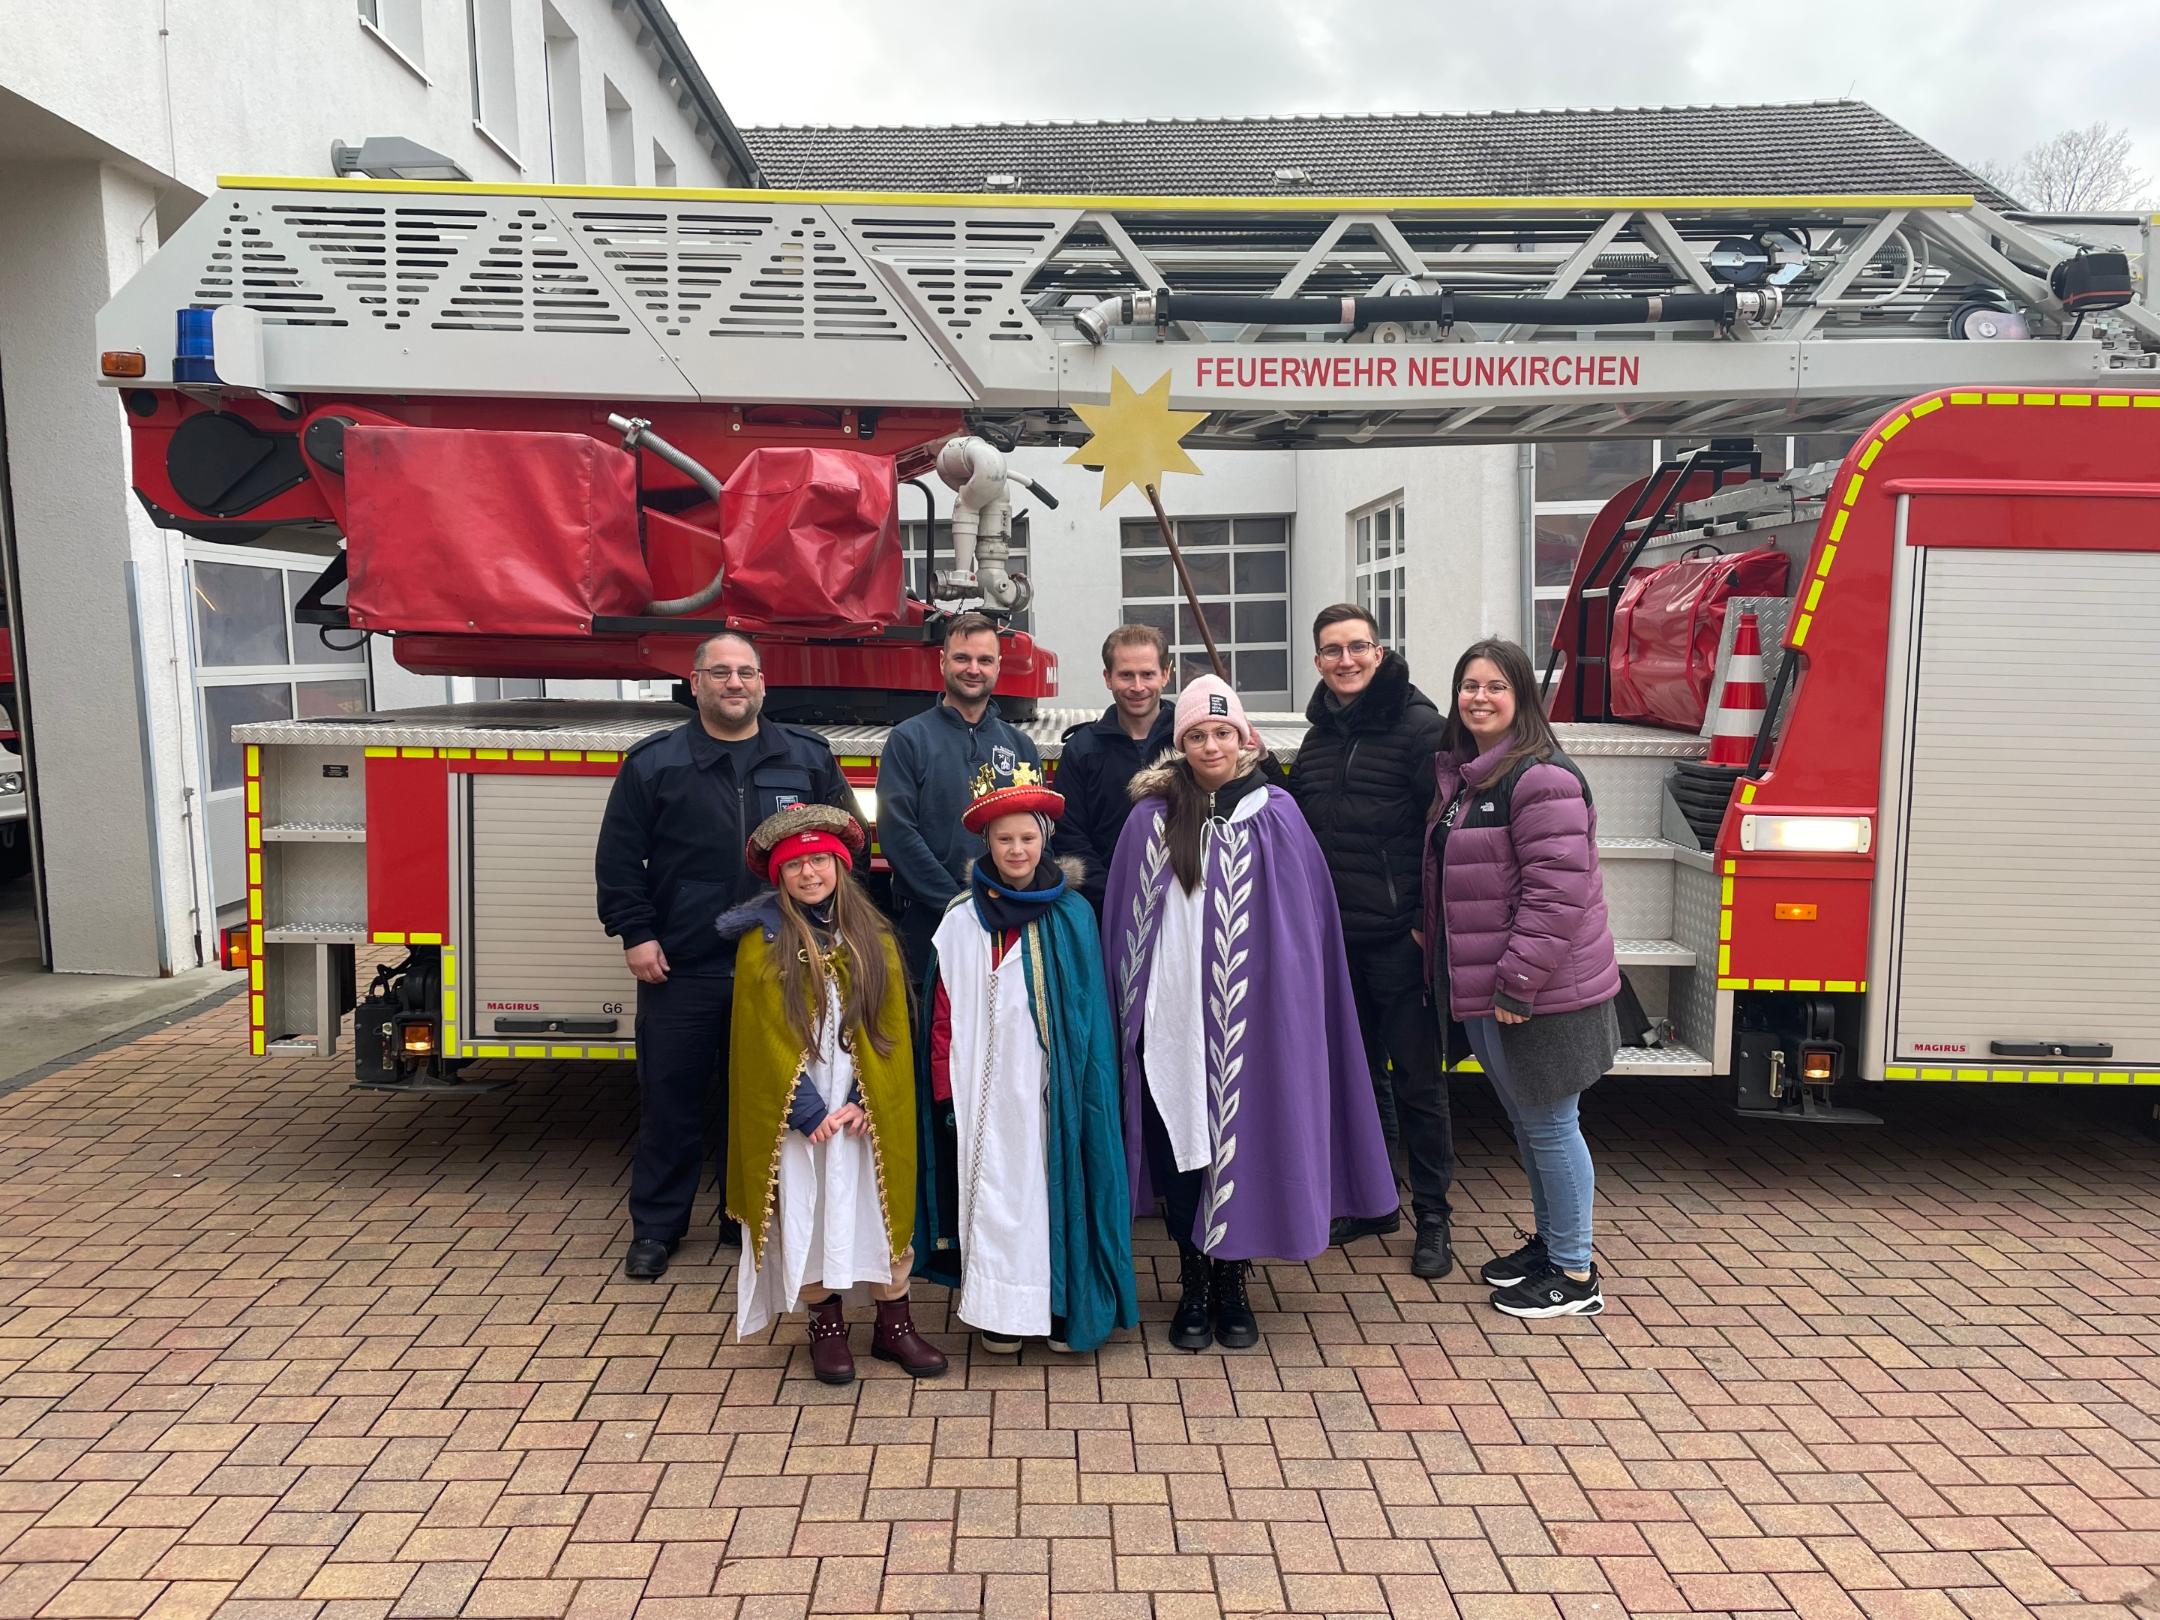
(537, 955)
(2030, 907)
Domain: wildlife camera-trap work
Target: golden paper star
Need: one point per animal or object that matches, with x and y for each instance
(1135, 436)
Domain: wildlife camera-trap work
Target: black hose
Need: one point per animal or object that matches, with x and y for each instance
(638, 434)
(929, 539)
(1448, 308)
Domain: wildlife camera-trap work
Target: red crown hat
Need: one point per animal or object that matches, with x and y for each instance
(799, 830)
(1021, 793)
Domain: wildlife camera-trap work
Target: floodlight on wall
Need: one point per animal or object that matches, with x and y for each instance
(393, 157)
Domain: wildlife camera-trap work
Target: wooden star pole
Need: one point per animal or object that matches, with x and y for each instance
(1135, 440)
(1192, 599)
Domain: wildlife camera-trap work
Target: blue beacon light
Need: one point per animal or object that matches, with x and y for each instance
(195, 354)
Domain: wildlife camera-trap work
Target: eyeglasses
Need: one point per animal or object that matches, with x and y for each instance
(746, 673)
(1490, 689)
(1348, 649)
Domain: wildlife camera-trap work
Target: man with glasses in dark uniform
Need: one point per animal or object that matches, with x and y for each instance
(668, 863)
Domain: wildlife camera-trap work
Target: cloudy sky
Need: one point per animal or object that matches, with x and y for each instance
(1982, 79)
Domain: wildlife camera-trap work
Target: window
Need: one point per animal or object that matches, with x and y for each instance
(1588, 469)
(663, 166)
(621, 137)
(311, 644)
(1380, 569)
(916, 570)
(1810, 448)
(565, 100)
(493, 50)
(1574, 481)
(399, 25)
(1240, 570)
(254, 661)
(239, 616)
(224, 707)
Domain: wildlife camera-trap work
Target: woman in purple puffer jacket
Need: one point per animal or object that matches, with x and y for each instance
(1516, 939)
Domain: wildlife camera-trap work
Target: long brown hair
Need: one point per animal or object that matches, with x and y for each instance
(1531, 736)
(859, 935)
(1185, 826)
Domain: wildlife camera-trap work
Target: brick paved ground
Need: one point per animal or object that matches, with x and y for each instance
(272, 1347)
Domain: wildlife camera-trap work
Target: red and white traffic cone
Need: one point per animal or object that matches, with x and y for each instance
(1742, 702)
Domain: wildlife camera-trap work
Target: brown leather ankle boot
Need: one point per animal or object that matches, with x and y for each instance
(830, 1358)
(896, 1340)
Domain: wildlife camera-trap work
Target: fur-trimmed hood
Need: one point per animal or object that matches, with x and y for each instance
(1387, 698)
(1153, 782)
(760, 910)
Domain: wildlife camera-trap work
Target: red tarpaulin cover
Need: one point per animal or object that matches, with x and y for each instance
(813, 541)
(477, 532)
(1666, 630)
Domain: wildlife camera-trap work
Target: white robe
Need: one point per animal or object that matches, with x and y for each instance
(1175, 1054)
(1004, 1223)
(828, 1225)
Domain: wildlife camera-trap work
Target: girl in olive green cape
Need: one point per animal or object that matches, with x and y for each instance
(821, 1098)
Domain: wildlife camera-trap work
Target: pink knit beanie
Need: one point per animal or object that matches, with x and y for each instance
(1210, 698)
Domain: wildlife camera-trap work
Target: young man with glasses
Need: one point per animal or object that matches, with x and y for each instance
(669, 861)
(1364, 779)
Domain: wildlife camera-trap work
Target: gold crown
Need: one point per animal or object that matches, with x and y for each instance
(986, 778)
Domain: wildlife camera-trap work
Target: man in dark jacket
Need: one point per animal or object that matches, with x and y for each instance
(925, 781)
(1364, 779)
(668, 863)
(1101, 757)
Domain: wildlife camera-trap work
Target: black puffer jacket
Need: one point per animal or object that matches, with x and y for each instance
(1364, 779)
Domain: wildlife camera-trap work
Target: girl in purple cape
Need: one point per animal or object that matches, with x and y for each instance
(1247, 1103)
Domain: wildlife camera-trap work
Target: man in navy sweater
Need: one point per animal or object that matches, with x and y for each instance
(924, 780)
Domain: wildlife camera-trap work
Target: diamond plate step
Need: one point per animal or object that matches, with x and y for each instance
(1652, 953)
(1669, 1059)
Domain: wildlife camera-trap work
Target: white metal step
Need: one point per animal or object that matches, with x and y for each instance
(1664, 953)
(1636, 849)
(315, 933)
(1669, 1059)
(314, 832)
(1672, 1059)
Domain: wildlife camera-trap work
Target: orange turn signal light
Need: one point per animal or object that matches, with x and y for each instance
(122, 363)
(1789, 911)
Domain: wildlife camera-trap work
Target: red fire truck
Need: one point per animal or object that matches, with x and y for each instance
(570, 431)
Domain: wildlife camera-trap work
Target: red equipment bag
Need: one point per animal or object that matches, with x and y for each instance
(473, 532)
(1666, 630)
(812, 541)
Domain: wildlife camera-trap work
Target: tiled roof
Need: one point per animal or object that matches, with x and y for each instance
(1788, 147)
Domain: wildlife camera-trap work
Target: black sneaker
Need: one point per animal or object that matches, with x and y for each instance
(1507, 1270)
(1001, 1344)
(1349, 1228)
(1552, 1292)
(1434, 1256)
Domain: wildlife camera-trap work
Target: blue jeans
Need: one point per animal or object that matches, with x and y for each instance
(1554, 1155)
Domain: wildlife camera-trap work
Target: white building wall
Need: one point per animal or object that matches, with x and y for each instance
(1464, 545)
(116, 117)
(197, 88)
(1461, 506)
